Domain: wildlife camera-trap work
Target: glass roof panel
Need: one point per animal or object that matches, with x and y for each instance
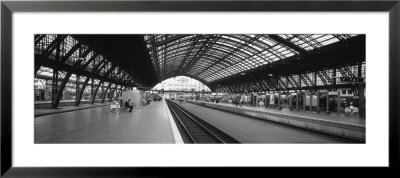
(212, 57)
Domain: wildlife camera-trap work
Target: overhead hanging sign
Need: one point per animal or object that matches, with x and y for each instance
(352, 79)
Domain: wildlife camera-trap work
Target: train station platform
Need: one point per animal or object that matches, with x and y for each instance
(63, 103)
(331, 124)
(48, 111)
(150, 124)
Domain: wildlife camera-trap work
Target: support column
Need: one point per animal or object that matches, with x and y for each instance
(91, 89)
(79, 94)
(279, 100)
(60, 90)
(311, 101)
(361, 93)
(338, 102)
(119, 93)
(95, 91)
(54, 89)
(304, 101)
(77, 84)
(318, 97)
(265, 100)
(112, 93)
(102, 89)
(297, 101)
(361, 97)
(327, 102)
(103, 94)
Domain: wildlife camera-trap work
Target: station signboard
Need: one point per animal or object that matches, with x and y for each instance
(351, 79)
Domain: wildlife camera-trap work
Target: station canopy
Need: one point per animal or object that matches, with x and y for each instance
(214, 58)
(211, 58)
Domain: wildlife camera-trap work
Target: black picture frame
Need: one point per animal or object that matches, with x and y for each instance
(8, 7)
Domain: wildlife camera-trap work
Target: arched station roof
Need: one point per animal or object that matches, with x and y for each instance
(214, 59)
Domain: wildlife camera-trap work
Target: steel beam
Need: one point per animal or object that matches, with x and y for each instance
(79, 94)
(289, 44)
(104, 93)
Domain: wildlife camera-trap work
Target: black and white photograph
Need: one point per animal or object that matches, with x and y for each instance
(163, 88)
(199, 88)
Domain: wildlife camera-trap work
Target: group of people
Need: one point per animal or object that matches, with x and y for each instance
(146, 101)
(115, 105)
(238, 100)
(216, 100)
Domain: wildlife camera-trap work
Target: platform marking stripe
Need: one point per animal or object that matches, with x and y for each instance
(177, 136)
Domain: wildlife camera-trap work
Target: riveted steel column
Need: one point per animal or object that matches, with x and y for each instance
(95, 92)
(279, 100)
(297, 101)
(79, 93)
(338, 102)
(104, 94)
(304, 101)
(318, 99)
(327, 102)
(54, 89)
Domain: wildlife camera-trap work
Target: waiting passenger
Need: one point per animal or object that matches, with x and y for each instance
(261, 103)
(129, 104)
(121, 103)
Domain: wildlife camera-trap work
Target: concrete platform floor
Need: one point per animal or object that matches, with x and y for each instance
(48, 111)
(322, 116)
(150, 124)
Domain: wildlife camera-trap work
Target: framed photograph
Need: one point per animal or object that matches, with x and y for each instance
(114, 82)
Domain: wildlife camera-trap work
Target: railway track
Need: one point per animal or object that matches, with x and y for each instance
(196, 130)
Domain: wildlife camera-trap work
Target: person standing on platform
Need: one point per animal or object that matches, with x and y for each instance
(236, 101)
(261, 103)
(129, 104)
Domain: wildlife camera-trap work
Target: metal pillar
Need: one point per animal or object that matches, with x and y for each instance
(279, 100)
(95, 92)
(338, 102)
(54, 89)
(79, 93)
(318, 97)
(103, 94)
(77, 84)
(304, 101)
(112, 93)
(119, 92)
(297, 101)
(327, 102)
(311, 102)
(265, 100)
(361, 98)
(61, 89)
(91, 89)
